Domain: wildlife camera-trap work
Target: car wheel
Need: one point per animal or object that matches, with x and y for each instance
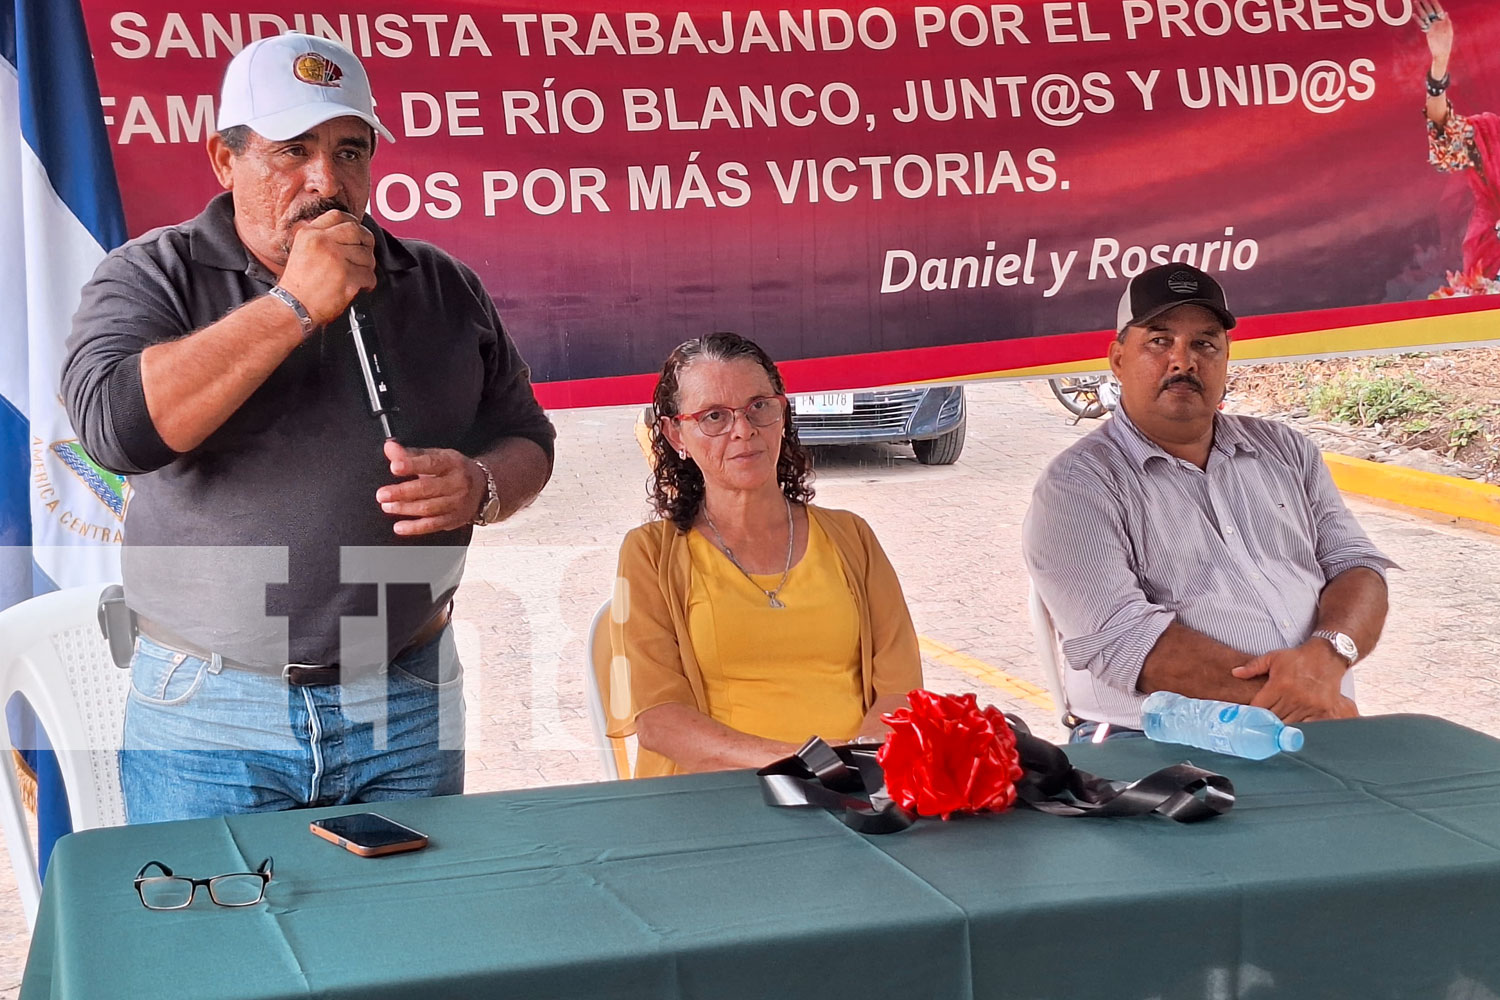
(941, 450)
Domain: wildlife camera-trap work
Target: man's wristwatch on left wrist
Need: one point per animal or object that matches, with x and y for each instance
(1342, 644)
(489, 507)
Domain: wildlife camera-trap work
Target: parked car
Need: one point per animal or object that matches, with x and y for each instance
(931, 418)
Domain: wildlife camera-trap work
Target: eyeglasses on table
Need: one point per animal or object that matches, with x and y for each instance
(174, 892)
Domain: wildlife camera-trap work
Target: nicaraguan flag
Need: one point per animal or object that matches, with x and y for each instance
(60, 514)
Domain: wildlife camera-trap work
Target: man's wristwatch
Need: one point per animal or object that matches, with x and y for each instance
(489, 507)
(1342, 644)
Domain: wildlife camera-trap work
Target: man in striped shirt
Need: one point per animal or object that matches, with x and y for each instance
(1183, 549)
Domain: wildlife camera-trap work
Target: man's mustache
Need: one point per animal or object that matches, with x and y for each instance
(313, 209)
(1189, 379)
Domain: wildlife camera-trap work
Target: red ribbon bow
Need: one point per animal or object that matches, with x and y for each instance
(947, 755)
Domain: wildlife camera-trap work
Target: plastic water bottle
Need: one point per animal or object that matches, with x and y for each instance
(1221, 726)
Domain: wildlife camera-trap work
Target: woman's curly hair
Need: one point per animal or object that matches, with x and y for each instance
(676, 484)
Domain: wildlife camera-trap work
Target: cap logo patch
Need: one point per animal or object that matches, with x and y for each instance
(1182, 283)
(319, 70)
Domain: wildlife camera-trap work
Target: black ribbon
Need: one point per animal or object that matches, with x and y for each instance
(1053, 785)
(847, 780)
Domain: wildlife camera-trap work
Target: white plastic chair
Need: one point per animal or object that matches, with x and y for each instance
(614, 759)
(52, 653)
(1048, 651)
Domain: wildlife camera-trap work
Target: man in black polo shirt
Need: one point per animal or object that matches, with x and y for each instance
(291, 568)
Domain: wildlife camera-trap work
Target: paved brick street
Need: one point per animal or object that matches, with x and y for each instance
(534, 583)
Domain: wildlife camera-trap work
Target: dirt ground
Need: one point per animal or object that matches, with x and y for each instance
(1446, 404)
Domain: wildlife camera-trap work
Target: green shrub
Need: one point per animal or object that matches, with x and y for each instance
(1468, 424)
(1364, 398)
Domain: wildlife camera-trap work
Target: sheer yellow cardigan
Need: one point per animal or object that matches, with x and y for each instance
(653, 656)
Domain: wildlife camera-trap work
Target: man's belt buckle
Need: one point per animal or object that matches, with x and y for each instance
(310, 674)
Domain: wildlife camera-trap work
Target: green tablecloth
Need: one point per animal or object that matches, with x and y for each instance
(1366, 866)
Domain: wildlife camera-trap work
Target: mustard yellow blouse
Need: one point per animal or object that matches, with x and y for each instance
(656, 659)
(780, 673)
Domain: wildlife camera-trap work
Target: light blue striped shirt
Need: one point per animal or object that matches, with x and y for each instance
(1121, 539)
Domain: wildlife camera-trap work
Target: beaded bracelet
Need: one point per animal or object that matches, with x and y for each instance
(1436, 88)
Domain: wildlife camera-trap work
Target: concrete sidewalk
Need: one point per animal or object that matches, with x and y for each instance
(534, 583)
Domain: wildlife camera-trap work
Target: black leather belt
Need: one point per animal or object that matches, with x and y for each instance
(295, 674)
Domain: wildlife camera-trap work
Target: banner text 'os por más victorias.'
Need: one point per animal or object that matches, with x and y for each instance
(876, 194)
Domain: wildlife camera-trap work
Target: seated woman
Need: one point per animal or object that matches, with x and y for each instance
(749, 619)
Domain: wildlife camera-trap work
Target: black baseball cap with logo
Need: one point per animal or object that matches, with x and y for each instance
(1168, 286)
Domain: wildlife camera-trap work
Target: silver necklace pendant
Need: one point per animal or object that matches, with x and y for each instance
(791, 535)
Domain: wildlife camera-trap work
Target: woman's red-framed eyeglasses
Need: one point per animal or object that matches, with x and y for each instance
(762, 411)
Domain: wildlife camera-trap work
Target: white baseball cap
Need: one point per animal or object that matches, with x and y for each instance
(284, 85)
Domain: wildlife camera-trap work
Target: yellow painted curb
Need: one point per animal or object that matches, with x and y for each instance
(1415, 488)
(643, 439)
(1010, 684)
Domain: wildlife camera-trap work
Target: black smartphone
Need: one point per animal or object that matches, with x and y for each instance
(369, 834)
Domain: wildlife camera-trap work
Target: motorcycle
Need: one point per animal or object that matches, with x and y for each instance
(1086, 396)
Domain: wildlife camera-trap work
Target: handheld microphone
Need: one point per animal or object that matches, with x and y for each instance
(367, 349)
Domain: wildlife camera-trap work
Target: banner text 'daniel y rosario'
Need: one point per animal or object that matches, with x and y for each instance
(876, 194)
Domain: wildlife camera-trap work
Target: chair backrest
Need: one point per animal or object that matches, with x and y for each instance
(52, 653)
(598, 686)
(1047, 651)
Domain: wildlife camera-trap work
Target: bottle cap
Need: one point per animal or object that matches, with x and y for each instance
(1290, 738)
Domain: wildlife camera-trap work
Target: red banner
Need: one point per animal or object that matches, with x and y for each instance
(876, 194)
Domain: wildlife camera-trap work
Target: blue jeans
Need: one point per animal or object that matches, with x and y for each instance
(205, 740)
(1084, 733)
